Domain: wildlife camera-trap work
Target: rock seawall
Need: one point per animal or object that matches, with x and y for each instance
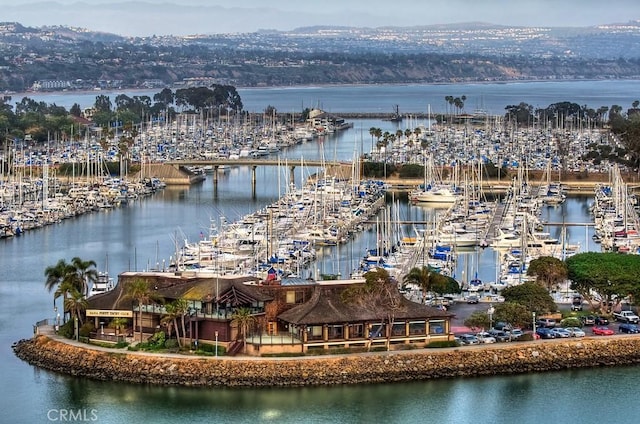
(423, 364)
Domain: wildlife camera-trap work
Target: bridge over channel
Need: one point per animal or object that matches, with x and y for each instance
(339, 169)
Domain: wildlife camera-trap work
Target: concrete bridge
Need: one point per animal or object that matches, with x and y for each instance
(176, 171)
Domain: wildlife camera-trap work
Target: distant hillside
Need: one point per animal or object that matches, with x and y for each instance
(59, 57)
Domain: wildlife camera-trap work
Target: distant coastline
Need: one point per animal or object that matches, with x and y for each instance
(323, 85)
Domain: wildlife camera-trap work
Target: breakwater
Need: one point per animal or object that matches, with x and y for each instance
(381, 367)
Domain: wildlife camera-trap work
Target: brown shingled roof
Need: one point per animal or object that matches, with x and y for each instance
(169, 286)
(327, 307)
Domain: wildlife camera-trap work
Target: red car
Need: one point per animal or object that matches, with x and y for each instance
(602, 331)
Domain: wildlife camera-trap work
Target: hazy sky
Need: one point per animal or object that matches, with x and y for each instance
(182, 17)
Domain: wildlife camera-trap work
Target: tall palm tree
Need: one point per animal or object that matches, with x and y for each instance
(182, 309)
(55, 274)
(170, 319)
(63, 274)
(242, 317)
(140, 292)
(176, 309)
(76, 304)
(86, 273)
(422, 277)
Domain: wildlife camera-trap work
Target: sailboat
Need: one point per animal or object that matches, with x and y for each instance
(434, 190)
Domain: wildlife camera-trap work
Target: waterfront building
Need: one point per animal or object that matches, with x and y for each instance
(292, 316)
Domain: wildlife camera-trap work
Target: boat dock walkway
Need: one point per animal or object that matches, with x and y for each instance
(498, 215)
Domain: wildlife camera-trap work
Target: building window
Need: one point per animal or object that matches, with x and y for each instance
(295, 297)
(436, 327)
(315, 332)
(398, 329)
(417, 328)
(336, 332)
(377, 330)
(356, 331)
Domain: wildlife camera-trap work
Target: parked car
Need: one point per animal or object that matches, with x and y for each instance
(560, 333)
(588, 320)
(601, 330)
(472, 299)
(516, 333)
(576, 331)
(502, 326)
(628, 328)
(500, 336)
(469, 339)
(546, 322)
(545, 333)
(485, 337)
(600, 320)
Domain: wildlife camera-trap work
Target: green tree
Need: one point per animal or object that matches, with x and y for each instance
(604, 277)
(532, 296)
(68, 278)
(548, 270)
(513, 313)
(119, 324)
(140, 292)
(76, 304)
(443, 284)
(86, 273)
(478, 320)
(422, 277)
(243, 318)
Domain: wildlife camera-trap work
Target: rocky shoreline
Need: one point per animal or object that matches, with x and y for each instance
(422, 364)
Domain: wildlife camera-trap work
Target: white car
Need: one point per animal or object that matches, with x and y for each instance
(575, 331)
(484, 337)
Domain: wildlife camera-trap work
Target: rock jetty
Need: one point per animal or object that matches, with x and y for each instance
(157, 369)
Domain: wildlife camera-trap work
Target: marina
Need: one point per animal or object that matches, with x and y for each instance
(141, 234)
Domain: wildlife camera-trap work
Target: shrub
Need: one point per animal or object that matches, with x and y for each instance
(86, 329)
(210, 348)
(66, 330)
(442, 343)
(526, 337)
(571, 322)
(171, 344)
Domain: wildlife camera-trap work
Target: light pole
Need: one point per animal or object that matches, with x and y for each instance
(490, 312)
(534, 323)
(216, 344)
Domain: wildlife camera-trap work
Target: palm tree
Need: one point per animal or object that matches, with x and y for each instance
(170, 319)
(76, 304)
(86, 273)
(139, 291)
(181, 306)
(176, 309)
(55, 274)
(422, 277)
(119, 324)
(69, 277)
(242, 317)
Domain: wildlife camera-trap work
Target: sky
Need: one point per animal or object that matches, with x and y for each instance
(186, 17)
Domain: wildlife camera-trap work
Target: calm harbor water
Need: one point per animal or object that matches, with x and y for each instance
(410, 98)
(138, 236)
